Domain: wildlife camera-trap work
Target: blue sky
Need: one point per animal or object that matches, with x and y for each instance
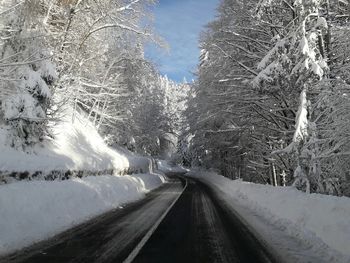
(179, 23)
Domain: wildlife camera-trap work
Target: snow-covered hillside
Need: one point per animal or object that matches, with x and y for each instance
(319, 223)
(76, 146)
(35, 210)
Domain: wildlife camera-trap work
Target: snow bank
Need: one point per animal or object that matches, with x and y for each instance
(306, 216)
(33, 211)
(76, 146)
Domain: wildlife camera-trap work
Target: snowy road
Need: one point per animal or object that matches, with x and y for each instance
(109, 238)
(196, 229)
(199, 229)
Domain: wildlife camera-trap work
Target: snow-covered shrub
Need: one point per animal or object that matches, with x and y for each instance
(23, 114)
(25, 111)
(29, 76)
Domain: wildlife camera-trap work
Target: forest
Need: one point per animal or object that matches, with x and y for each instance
(89, 56)
(269, 104)
(105, 157)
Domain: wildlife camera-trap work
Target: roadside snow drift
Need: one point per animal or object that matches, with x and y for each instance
(305, 216)
(34, 211)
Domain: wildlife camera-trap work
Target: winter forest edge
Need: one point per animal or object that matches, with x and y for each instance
(269, 104)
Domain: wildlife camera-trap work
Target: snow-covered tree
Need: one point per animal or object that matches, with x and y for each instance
(175, 104)
(29, 73)
(93, 45)
(265, 91)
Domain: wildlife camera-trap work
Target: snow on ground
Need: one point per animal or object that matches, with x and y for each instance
(31, 211)
(316, 226)
(76, 146)
(37, 210)
(165, 167)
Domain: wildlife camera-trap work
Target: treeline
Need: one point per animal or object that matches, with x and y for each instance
(271, 103)
(86, 55)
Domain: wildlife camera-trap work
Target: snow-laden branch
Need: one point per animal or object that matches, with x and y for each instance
(112, 26)
(301, 120)
(240, 47)
(235, 60)
(11, 8)
(16, 64)
(224, 131)
(128, 6)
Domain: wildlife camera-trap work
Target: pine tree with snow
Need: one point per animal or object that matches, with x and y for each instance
(31, 75)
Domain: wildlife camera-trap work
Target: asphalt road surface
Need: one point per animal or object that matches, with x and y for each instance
(182, 221)
(200, 229)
